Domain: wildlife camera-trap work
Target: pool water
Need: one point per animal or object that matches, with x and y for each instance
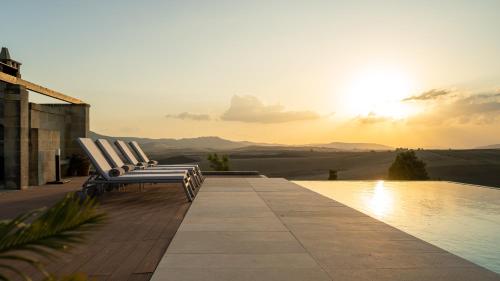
(462, 219)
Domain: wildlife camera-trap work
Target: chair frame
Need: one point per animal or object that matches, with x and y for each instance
(102, 181)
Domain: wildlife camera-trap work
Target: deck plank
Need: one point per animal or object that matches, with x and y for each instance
(129, 246)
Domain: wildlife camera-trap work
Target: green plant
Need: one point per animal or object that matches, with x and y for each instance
(407, 166)
(79, 165)
(332, 175)
(218, 163)
(43, 232)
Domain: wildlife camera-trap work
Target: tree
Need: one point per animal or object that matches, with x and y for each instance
(42, 233)
(407, 166)
(218, 164)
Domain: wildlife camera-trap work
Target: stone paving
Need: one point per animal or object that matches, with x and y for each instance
(272, 229)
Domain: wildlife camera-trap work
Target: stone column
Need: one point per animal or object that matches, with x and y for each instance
(77, 126)
(14, 120)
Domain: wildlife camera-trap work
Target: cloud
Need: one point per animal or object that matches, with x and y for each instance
(481, 109)
(429, 95)
(446, 108)
(252, 110)
(372, 118)
(189, 116)
(475, 109)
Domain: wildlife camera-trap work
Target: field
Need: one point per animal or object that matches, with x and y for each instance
(475, 166)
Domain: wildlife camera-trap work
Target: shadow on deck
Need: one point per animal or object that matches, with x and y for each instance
(131, 244)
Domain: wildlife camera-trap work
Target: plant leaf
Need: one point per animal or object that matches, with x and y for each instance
(44, 232)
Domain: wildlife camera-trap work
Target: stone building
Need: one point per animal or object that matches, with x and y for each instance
(30, 133)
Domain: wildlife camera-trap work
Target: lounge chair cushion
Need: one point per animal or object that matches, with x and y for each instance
(124, 149)
(116, 172)
(110, 153)
(128, 167)
(142, 156)
(96, 157)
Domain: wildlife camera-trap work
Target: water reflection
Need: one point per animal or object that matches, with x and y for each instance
(462, 219)
(380, 201)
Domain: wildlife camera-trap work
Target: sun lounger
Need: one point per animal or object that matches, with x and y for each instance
(130, 158)
(104, 172)
(144, 158)
(116, 162)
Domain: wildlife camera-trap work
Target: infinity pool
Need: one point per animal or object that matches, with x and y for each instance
(462, 219)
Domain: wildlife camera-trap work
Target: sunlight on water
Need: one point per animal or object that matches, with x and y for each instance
(380, 202)
(462, 219)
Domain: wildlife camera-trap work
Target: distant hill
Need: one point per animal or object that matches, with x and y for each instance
(217, 143)
(353, 146)
(199, 143)
(492, 146)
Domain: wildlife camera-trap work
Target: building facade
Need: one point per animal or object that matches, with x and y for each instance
(31, 134)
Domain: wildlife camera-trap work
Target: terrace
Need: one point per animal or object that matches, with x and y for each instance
(242, 228)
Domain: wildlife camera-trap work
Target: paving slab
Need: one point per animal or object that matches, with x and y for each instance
(231, 212)
(226, 184)
(231, 224)
(272, 229)
(235, 242)
(240, 274)
(294, 260)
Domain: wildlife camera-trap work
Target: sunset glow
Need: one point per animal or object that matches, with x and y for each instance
(380, 92)
(384, 72)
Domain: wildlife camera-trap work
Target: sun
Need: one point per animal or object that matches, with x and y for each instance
(379, 91)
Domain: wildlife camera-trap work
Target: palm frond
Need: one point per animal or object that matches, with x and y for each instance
(15, 270)
(45, 231)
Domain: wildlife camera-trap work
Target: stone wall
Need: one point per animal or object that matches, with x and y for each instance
(14, 127)
(43, 147)
(31, 133)
(71, 121)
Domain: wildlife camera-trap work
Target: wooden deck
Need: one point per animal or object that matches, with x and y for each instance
(131, 244)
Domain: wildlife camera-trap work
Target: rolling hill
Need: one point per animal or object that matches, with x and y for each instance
(491, 146)
(212, 143)
(354, 146)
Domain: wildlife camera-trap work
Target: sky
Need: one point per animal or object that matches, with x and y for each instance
(400, 73)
